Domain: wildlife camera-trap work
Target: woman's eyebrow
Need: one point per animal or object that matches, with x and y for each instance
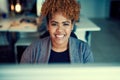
(58, 22)
(66, 22)
(53, 21)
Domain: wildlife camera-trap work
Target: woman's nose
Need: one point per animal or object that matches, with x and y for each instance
(60, 28)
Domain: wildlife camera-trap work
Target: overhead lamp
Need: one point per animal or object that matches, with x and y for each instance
(12, 7)
(18, 7)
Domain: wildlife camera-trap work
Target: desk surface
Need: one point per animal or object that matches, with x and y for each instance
(84, 25)
(24, 27)
(14, 25)
(4, 25)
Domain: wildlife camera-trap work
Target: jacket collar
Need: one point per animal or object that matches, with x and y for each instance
(74, 50)
(46, 49)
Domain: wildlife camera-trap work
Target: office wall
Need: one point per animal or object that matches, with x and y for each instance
(95, 8)
(4, 6)
(89, 8)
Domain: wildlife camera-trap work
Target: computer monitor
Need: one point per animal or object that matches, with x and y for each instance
(60, 72)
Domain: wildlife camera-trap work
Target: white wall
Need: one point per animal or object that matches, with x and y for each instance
(95, 8)
(39, 5)
(4, 6)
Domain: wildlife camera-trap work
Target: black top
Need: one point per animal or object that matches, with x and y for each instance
(59, 57)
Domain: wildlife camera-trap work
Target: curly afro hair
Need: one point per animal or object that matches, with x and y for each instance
(69, 8)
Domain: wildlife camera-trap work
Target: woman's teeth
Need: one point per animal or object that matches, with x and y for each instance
(60, 36)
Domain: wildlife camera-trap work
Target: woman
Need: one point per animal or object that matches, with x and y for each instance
(59, 47)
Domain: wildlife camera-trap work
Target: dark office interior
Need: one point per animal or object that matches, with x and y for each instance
(105, 43)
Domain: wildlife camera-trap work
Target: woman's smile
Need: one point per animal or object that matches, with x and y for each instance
(59, 36)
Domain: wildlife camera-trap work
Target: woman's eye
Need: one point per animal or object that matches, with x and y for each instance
(65, 24)
(53, 24)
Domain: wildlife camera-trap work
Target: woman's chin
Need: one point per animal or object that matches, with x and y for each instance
(59, 40)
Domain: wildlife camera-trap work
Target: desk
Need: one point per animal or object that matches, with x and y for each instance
(18, 27)
(4, 25)
(23, 27)
(85, 25)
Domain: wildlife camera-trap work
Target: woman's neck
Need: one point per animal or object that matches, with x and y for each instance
(59, 48)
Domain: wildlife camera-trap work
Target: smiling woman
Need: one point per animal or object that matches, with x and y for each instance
(59, 47)
(59, 28)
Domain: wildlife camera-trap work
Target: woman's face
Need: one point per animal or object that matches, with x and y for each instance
(60, 29)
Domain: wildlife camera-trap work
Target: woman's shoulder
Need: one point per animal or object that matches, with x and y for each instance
(77, 41)
(83, 49)
(34, 49)
(40, 41)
